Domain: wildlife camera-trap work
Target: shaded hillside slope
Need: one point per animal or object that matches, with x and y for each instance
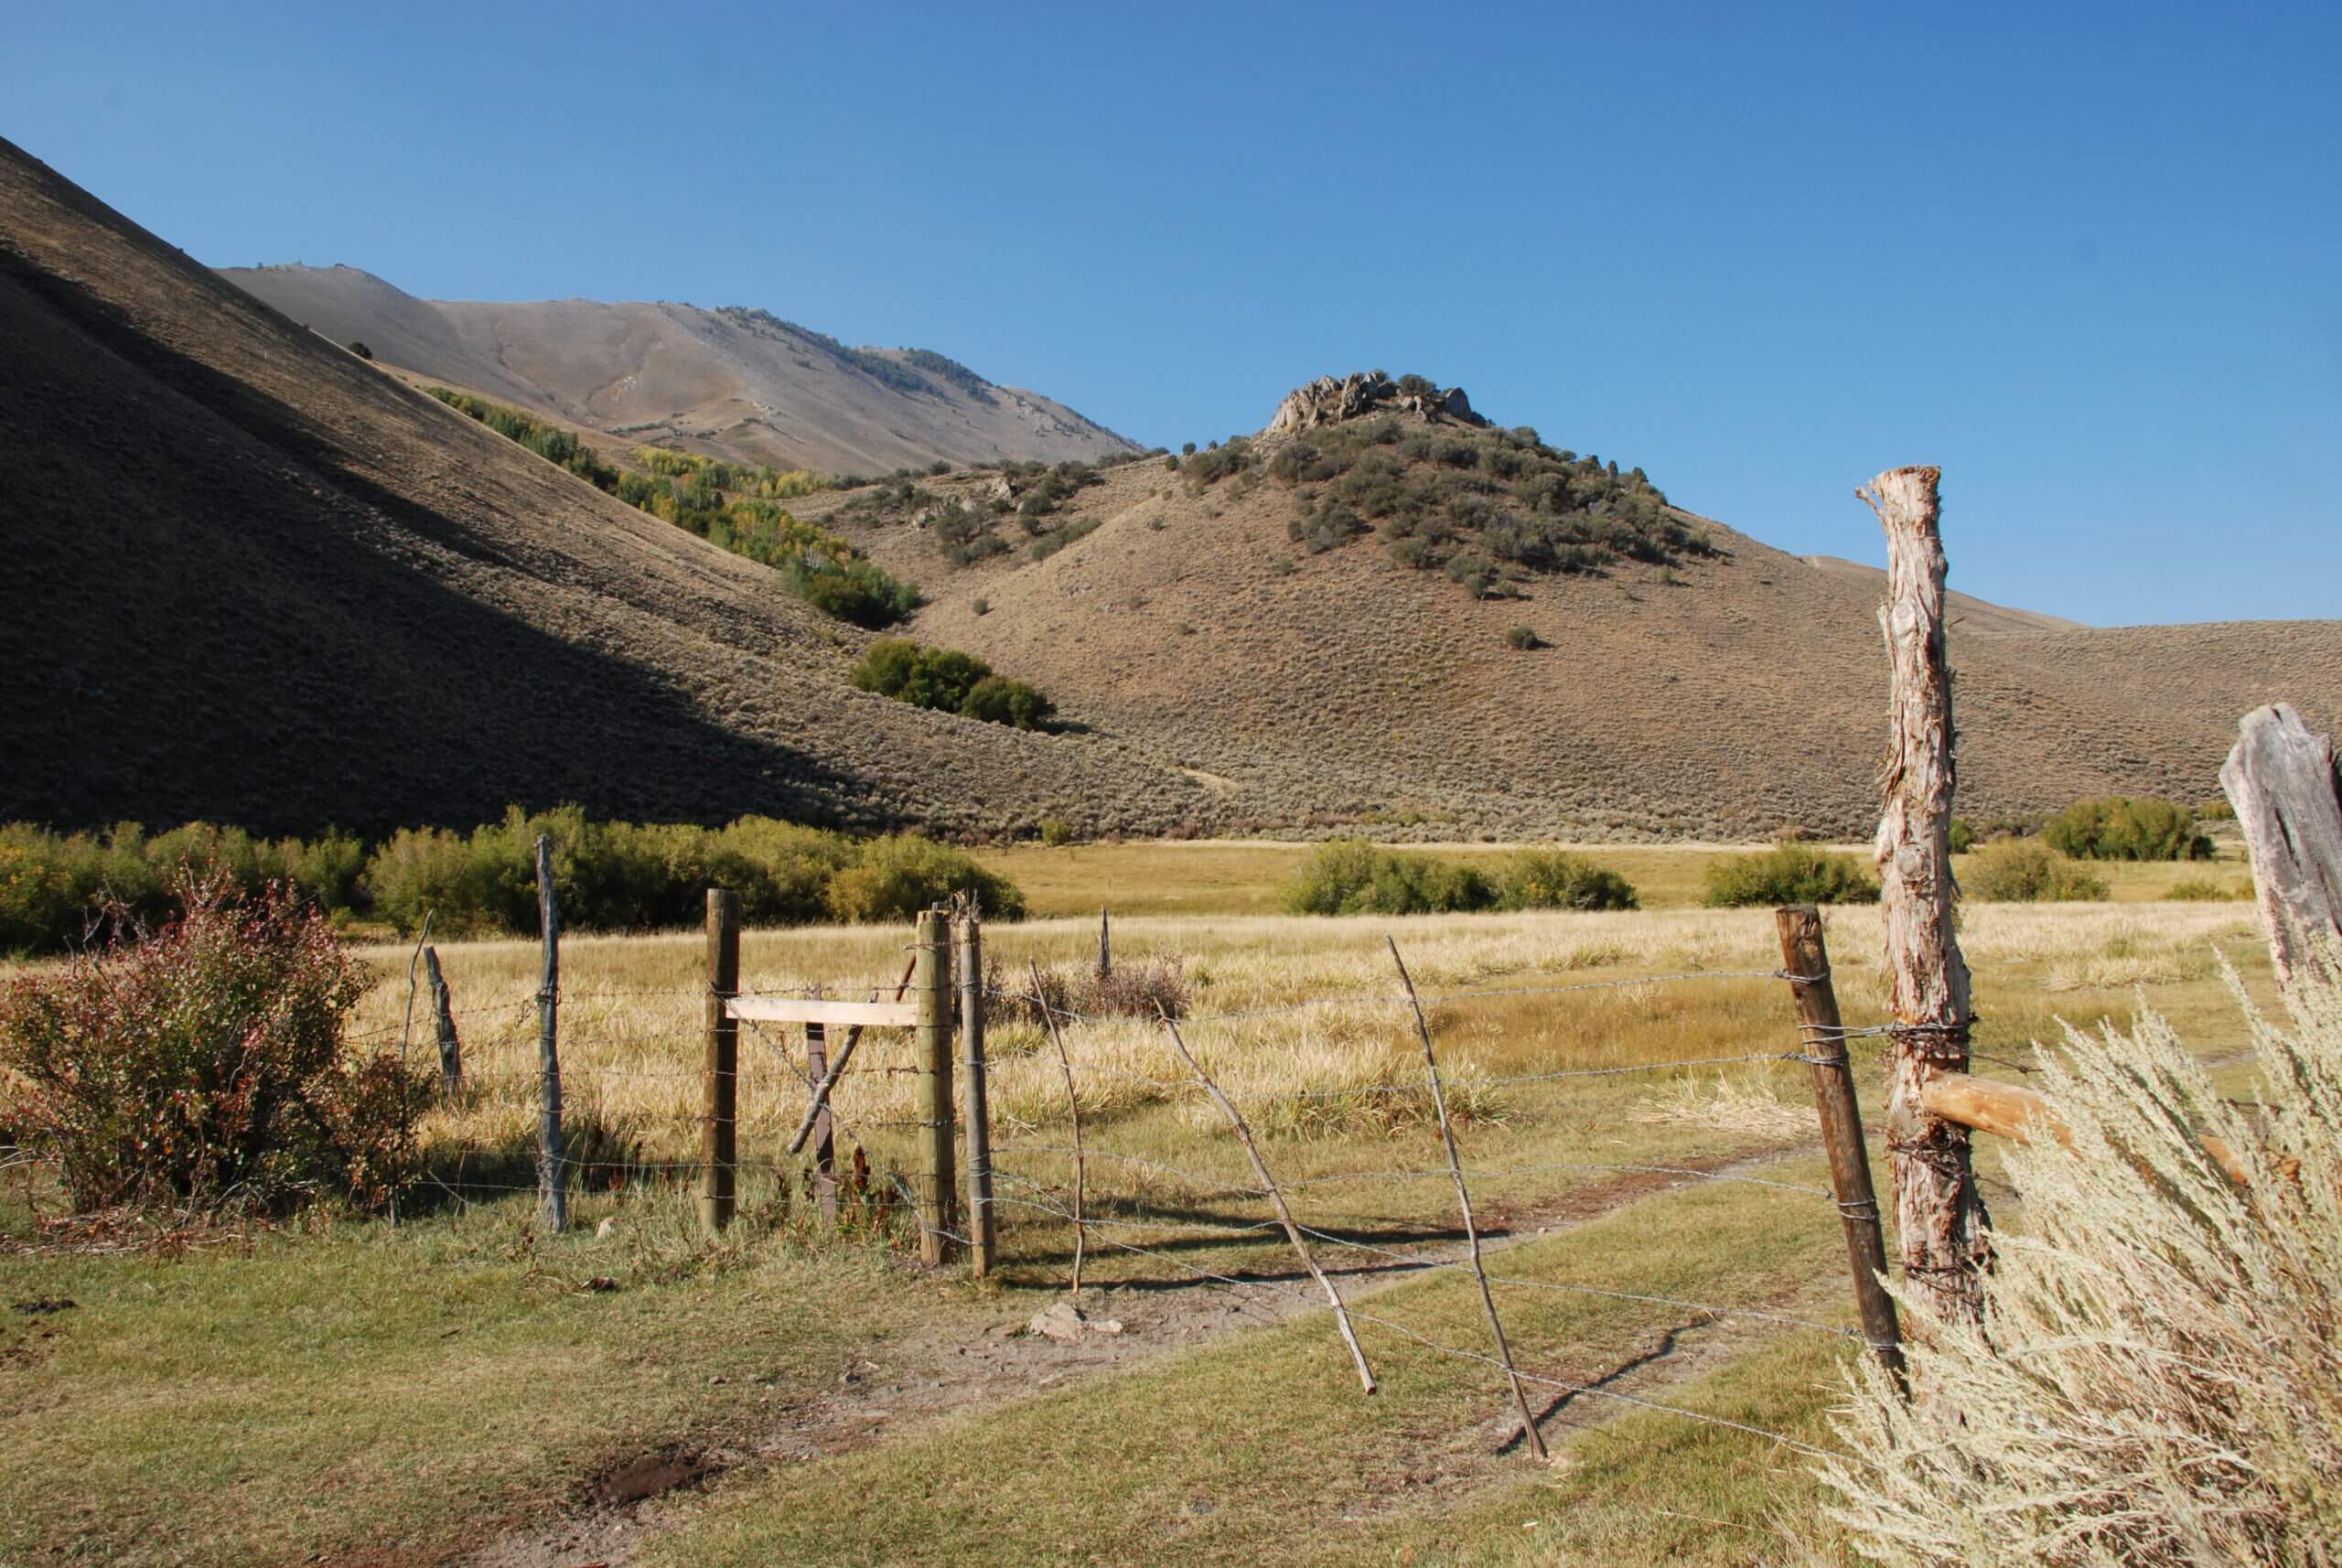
(253, 579)
(738, 385)
(1722, 695)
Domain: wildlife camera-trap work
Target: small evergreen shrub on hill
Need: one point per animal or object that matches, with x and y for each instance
(948, 682)
(2118, 827)
(1787, 874)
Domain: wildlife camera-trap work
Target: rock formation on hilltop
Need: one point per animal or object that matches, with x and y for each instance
(1329, 401)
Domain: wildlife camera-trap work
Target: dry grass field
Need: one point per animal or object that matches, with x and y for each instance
(465, 1390)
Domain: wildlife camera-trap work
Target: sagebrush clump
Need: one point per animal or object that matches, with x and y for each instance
(2156, 1380)
(2028, 871)
(1353, 876)
(2122, 827)
(948, 682)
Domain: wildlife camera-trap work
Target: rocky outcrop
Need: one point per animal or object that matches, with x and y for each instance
(1329, 401)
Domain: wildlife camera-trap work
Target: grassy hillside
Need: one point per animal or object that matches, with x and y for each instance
(256, 580)
(1466, 651)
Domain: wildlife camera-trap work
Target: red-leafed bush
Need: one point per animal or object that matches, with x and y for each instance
(204, 1065)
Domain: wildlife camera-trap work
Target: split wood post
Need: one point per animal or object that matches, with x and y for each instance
(825, 1161)
(552, 1172)
(1941, 1225)
(1073, 1109)
(1105, 947)
(2280, 778)
(1276, 1198)
(982, 1236)
(1534, 1438)
(451, 1046)
(719, 1148)
(1805, 962)
(931, 994)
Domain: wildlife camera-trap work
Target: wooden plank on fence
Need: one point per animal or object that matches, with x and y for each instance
(2013, 1112)
(2280, 778)
(822, 1010)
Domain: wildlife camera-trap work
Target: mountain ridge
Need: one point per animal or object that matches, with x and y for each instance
(732, 381)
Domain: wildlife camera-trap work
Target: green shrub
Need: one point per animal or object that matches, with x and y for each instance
(1787, 874)
(204, 1065)
(1522, 640)
(948, 682)
(1963, 836)
(54, 886)
(892, 879)
(1555, 879)
(1351, 876)
(2118, 827)
(360, 349)
(1000, 701)
(2027, 870)
(1056, 832)
(2203, 890)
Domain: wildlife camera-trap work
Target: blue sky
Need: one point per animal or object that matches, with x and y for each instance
(2088, 259)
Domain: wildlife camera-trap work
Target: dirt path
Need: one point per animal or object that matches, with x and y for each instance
(890, 1388)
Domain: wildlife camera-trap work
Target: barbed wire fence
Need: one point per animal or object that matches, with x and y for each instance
(901, 1177)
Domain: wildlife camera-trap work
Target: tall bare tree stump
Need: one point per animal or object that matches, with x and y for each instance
(1943, 1232)
(2280, 778)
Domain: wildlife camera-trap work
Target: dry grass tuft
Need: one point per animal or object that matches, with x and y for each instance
(1725, 1104)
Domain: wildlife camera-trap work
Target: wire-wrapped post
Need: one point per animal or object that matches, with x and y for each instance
(552, 1172)
(1805, 964)
(719, 1123)
(983, 1235)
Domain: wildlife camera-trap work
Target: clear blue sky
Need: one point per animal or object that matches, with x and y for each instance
(2088, 259)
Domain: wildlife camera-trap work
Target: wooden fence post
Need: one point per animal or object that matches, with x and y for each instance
(1943, 1232)
(719, 1127)
(2280, 778)
(826, 1154)
(1805, 959)
(552, 1172)
(931, 994)
(1105, 947)
(982, 1236)
(451, 1047)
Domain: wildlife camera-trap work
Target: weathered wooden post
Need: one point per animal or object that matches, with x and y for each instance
(1105, 947)
(552, 1172)
(983, 1235)
(1943, 1232)
(719, 1146)
(826, 1154)
(2280, 778)
(1805, 959)
(451, 1047)
(931, 994)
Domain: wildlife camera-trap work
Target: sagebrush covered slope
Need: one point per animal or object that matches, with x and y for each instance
(254, 579)
(1691, 681)
(740, 385)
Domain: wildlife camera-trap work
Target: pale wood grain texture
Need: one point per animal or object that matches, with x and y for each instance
(2280, 778)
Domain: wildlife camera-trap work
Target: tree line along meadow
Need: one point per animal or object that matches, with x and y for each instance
(57, 890)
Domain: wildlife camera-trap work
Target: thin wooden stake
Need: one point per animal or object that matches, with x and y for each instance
(1276, 1198)
(1105, 947)
(819, 1101)
(1073, 1105)
(931, 990)
(1942, 1229)
(451, 1046)
(552, 1172)
(982, 1236)
(719, 1155)
(1464, 1201)
(1805, 959)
